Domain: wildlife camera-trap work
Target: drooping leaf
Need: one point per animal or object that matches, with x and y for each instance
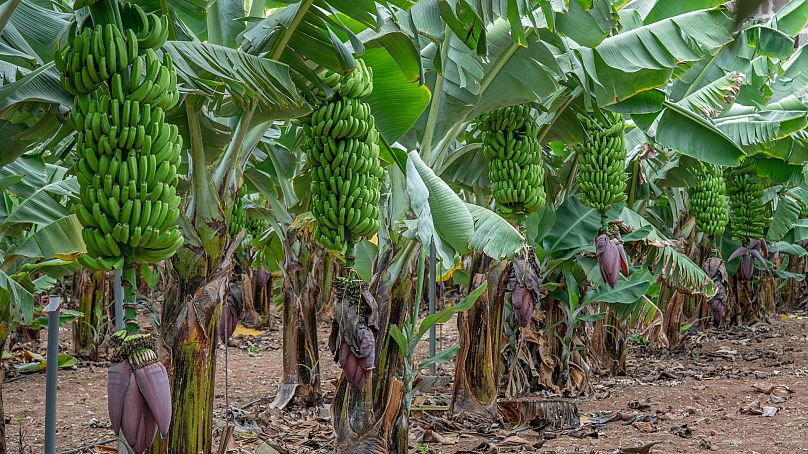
(61, 237)
(785, 215)
(41, 208)
(452, 220)
(626, 291)
(645, 57)
(494, 236)
(40, 85)
(687, 132)
(364, 255)
(398, 98)
(205, 66)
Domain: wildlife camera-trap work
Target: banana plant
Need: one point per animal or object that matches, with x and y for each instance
(38, 250)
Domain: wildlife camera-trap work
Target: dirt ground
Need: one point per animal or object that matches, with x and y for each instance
(708, 395)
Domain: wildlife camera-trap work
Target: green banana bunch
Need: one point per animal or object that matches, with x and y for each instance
(151, 30)
(708, 201)
(748, 215)
(803, 210)
(515, 167)
(602, 160)
(127, 153)
(256, 226)
(238, 217)
(343, 160)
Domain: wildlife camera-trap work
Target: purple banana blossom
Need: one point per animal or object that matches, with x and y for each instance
(357, 367)
(523, 304)
(231, 313)
(611, 259)
(139, 398)
(748, 255)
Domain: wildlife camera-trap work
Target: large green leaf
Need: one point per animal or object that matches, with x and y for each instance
(753, 130)
(795, 76)
(791, 18)
(40, 29)
(664, 9)
(38, 132)
(17, 297)
(59, 238)
(494, 236)
(225, 20)
(42, 85)
(625, 291)
(398, 97)
(645, 57)
(576, 226)
(365, 253)
(207, 66)
(784, 218)
(588, 27)
(798, 233)
(680, 129)
(452, 220)
(304, 29)
(41, 208)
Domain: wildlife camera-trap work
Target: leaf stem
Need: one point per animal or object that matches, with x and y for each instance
(434, 104)
(287, 35)
(232, 155)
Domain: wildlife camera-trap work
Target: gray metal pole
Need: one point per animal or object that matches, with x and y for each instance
(51, 368)
(432, 292)
(118, 290)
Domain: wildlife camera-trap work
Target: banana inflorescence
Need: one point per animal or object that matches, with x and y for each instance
(343, 160)
(708, 201)
(748, 215)
(138, 390)
(515, 167)
(127, 153)
(602, 160)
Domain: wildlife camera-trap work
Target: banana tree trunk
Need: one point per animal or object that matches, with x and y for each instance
(302, 275)
(91, 288)
(190, 316)
(477, 365)
(370, 420)
(3, 335)
(262, 294)
(797, 296)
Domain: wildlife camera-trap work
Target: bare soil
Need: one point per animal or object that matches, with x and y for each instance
(706, 395)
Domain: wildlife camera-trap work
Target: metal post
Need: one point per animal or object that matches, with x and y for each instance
(433, 278)
(52, 367)
(118, 290)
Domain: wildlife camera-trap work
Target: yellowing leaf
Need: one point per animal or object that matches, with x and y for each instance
(450, 273)
(243, 331)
